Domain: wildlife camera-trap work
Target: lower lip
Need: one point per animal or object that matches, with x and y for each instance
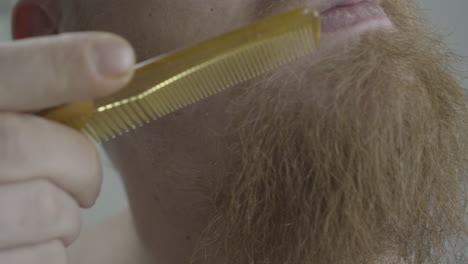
(345, 17)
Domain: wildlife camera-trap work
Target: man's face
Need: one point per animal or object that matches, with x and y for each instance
(346, 156)
(174, 24)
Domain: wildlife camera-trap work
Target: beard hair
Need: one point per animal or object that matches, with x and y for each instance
(355, 159)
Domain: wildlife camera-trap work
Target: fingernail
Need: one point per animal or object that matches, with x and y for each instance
(114, 58)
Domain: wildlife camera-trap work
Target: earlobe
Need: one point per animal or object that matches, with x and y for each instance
(30, 19)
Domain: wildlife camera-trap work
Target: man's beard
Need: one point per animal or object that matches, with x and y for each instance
(350, 160)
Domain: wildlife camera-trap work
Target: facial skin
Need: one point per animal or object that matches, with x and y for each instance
(347, 156)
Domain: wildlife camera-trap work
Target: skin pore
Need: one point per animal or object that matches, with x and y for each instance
(348, 156)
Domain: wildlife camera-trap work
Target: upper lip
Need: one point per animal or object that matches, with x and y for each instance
(328, 5)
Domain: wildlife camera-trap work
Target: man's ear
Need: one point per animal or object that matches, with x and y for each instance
(33, 18)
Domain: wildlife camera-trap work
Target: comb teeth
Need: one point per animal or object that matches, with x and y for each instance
(195, 84)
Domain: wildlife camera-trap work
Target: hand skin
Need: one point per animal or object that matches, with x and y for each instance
(48, 171)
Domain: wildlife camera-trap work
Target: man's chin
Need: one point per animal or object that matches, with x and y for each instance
(345, 161)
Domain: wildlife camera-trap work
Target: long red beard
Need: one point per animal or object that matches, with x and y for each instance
(357, 158)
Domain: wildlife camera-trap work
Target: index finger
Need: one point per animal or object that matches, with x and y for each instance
(44, 72)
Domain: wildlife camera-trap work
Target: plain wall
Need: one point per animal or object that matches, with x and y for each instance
(447, 15)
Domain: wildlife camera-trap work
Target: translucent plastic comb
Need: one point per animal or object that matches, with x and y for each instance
(168, 83)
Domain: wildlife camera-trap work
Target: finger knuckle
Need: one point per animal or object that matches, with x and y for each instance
(57, 211)
(10, 137)
(48, 203)
(87, 168)
(58, 70)
(93, 178)
(54, 253)
(71, 226)
(70, 61)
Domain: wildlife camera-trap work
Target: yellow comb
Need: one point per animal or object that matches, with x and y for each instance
(166, 84)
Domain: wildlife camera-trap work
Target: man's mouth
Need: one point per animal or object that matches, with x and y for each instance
(353, 15)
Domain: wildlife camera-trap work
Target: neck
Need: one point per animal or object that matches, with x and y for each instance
(167, 193)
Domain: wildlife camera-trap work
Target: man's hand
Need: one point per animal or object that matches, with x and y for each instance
(48, 171)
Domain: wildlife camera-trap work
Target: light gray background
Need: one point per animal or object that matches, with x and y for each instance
(447, 15)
